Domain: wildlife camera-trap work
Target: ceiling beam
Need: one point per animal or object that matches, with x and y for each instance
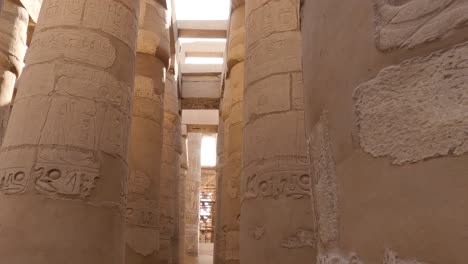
(200, 103)
(205, 129)
(205, 54)
(202, 33)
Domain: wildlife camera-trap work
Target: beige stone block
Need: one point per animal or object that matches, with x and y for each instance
(114, 128)
(28, 117)
(13, 30)
(83, 46)
(416, 110)
(36, 80)
(119, 21)
(272, 17)
(71, 122)
(148, 109)
(275, 54)
(236, 83)
(408, 24)
(269, 95)
(15, 171)
(260, 142)
(7, 84)
(60, 13)
(236, 42)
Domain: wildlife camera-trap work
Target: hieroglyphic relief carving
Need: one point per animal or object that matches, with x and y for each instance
(95, 85)
(277, 184)
(13, 180)
(410, 23)
(391, 257)
(60, 12)
(416, 110)
(86, 47)
(115, 133)
(324, 188)
(139, 182)
(70, 122)
(142, 213)
(118, 20)
(274, 17)
(337, 258)
(65, 172)
(302, 238)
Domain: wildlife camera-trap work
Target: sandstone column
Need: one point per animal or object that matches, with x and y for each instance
(277, 221)
(170, 174)
(192, 193)
(63, 163)
(232, 116)
(182, 195)
(14, 20)
(143, 229)
(218, 255)
(386, 112)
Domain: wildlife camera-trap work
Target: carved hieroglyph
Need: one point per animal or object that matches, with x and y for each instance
(302, 238)
(409, 23)
(416, 110)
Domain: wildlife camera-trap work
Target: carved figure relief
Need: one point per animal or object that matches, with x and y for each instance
(302, 238)
(142, 213)
(278, 184)
(409, 23)
(13, 180)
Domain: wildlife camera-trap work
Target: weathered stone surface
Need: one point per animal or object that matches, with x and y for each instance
(338, 258)
(64, 158)
(391, 257)
(324, 187)
(410, 23)
(416, 110)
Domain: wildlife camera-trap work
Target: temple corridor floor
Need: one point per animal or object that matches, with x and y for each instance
(205, 255)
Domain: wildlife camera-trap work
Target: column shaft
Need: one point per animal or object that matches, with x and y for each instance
(276, 215)
(170, 174)
(182, 197)
(232, 116)
(63, 163)
(143, 204)
(145, 160)
(13, 33)
(192, 194)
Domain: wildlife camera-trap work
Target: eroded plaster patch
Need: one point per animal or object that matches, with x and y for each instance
(416, 110)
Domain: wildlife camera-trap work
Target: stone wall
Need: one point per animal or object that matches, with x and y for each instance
(385, 91)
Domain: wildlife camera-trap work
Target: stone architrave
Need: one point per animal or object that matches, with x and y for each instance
(170, 175)
(276, 214)
(143, 204)
(63, 162)
(192, 194)
(13, 33)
